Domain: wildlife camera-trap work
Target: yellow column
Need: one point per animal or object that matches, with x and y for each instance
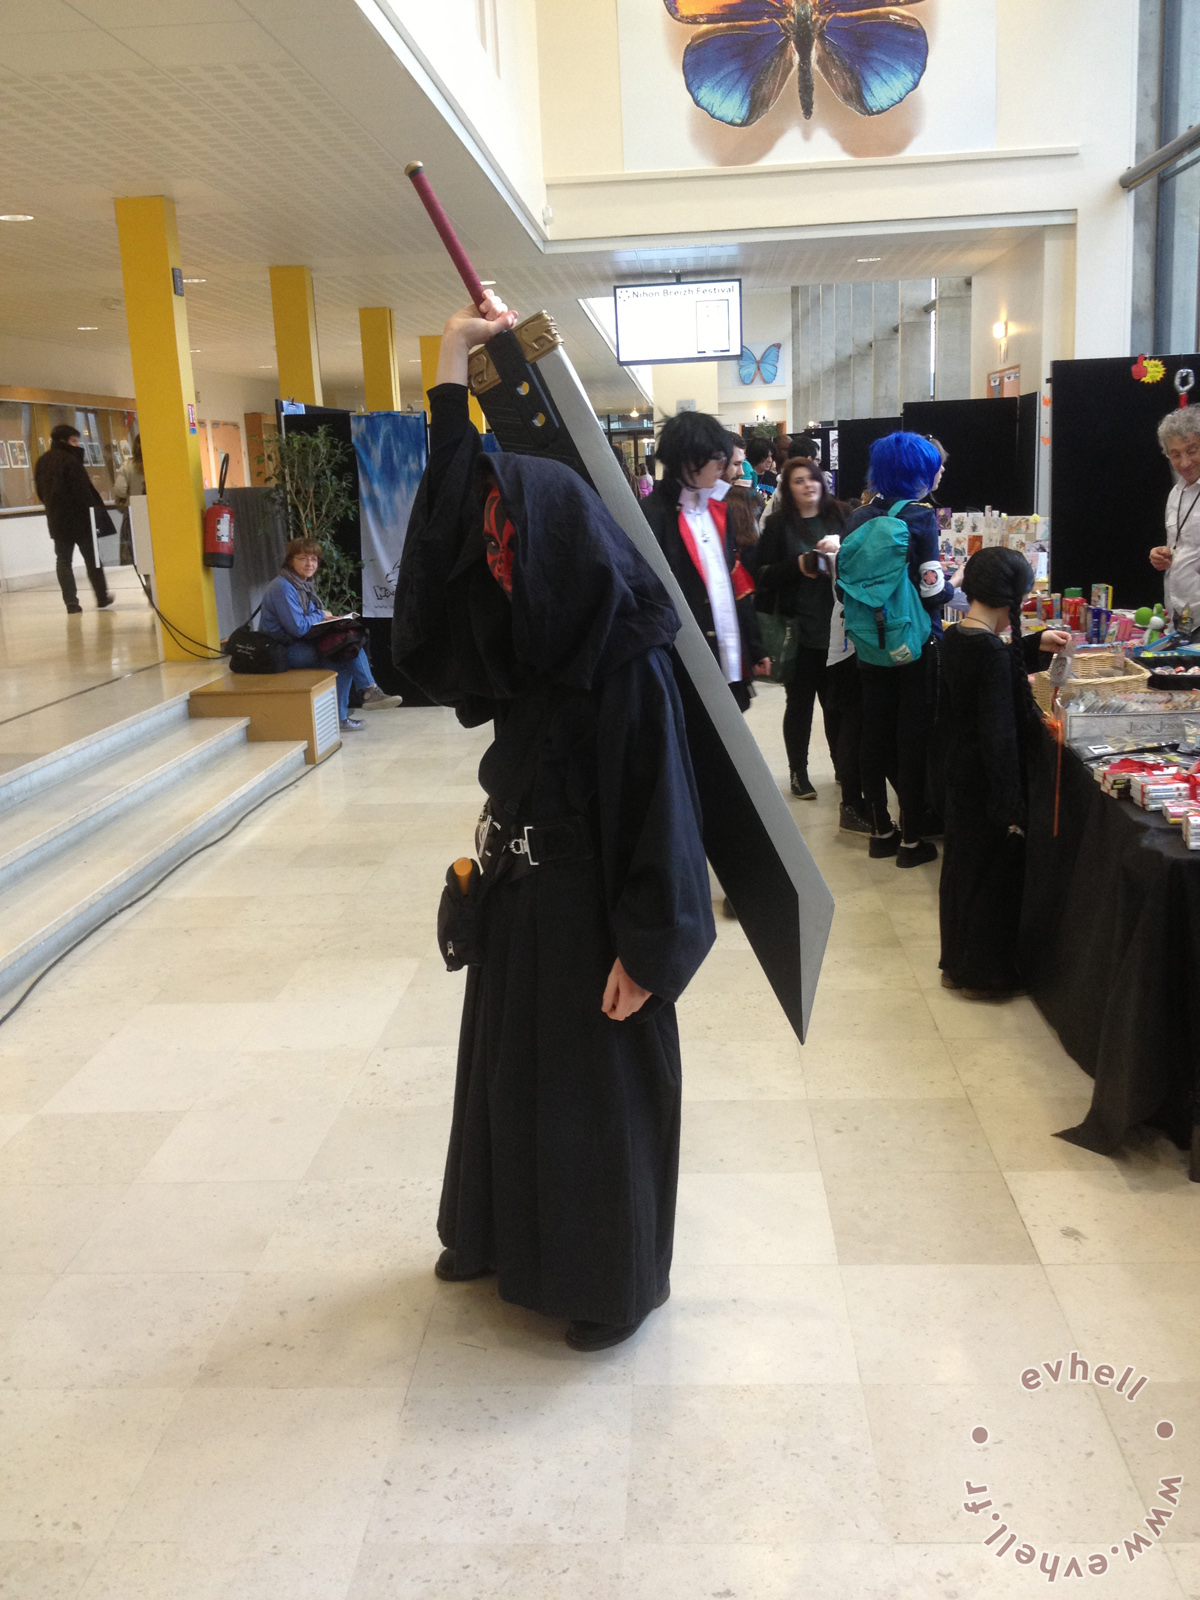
(166, 406)
(295, 317)
(381, 376)
(431, 349)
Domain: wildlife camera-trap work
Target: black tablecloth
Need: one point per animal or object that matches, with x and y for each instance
(1111, 951)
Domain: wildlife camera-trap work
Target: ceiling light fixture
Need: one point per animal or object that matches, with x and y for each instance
(88, 327)
(862, 260)
(999, 330)
(633, 414)
(488, 283)
(195, 351)
(195, 280)
(16, 216)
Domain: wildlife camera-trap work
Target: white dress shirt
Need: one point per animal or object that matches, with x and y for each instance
(711, 549)
(1181, 580)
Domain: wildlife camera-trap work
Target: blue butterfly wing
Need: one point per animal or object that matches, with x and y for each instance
(747, 365)
(735, 71)
(768, 362)
(871, 59)
(729, 10)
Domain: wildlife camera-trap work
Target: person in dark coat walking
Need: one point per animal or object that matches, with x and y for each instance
(986, 719)
(68, 495)
(521, 601)
(686, 513)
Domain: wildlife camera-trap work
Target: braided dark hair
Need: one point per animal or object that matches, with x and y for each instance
(1001, 578)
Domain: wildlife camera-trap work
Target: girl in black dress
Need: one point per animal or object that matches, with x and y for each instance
(986, 719)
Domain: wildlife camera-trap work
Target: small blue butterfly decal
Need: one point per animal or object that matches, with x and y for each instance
(765, 366)
(735, 68)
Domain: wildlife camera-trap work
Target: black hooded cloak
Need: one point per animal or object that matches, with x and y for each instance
(564, 1147)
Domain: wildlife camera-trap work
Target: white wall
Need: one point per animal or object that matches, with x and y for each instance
(766, 320)
(1065, 124)
(501, 106)
(1032, 289)
(40, 364)
(685, 380)
(226, 397)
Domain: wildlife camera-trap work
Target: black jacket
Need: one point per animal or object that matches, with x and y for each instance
(661, 510)
(64, 488)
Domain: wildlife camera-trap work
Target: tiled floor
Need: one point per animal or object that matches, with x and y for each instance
(63, 677)
(227, 1372)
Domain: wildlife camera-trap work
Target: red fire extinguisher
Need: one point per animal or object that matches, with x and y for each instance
(218, 526)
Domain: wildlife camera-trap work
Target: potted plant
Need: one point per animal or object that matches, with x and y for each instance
(308, 480)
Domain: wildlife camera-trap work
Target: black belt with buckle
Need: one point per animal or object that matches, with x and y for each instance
(550, 844)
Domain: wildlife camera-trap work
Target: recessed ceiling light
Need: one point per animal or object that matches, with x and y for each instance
(88, 327)
(16, 216)
(863, 259)
(268, 366)
(195, 351)
(195, 280)
(488, 283)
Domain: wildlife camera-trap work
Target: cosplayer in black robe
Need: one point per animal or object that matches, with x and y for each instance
(986, 721)
(564, 1148)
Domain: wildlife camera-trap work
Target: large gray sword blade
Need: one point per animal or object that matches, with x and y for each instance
(774, 929)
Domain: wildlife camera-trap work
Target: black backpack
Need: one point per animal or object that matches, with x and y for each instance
(251, 651)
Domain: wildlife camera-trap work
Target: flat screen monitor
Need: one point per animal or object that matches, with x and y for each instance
(660, 322)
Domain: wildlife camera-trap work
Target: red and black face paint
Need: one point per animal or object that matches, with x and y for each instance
(498, 533)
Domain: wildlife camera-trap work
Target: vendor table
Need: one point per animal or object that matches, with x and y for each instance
(1111, 949)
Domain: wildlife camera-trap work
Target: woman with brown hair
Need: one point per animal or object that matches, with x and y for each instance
(794, 580)
(292, 608)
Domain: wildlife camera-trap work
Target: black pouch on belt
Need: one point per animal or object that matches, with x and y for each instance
(459, 920)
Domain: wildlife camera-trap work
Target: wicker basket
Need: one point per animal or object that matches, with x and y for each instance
(1084, 670)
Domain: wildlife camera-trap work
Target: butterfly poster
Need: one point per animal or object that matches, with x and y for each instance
(712, 83)
(763, 367)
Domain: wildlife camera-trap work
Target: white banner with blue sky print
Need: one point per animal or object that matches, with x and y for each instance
(390, 446)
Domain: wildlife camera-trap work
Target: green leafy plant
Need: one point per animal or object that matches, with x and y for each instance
(762, 430)
(306, 474)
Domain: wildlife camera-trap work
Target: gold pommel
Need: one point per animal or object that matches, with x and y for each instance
(414, 166)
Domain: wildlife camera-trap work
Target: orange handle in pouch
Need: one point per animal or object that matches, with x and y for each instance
(462, 871)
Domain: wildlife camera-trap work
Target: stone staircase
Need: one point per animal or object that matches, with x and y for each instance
(87, 828)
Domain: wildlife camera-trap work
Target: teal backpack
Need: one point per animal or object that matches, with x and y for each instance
(885, 619)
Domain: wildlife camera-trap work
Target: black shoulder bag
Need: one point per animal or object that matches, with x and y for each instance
(254, 652)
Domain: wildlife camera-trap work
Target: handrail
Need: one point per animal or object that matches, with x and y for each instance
(1163, 157)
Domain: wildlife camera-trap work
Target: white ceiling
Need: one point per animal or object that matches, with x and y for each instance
(281, 128)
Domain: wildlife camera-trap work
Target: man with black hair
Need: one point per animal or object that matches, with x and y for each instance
(762, 463)
(686, 512)
(68, 495)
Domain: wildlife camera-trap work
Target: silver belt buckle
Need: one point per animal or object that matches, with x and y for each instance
(522, 847)
(484, 829)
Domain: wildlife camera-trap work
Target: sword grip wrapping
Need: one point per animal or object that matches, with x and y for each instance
(415, 172)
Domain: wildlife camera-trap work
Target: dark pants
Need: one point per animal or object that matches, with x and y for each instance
(896, 721)
(64, 551)
(842, 706)
(807, 683)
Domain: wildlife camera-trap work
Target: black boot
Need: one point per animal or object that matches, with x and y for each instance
(603, 1335)
(445, 1270)
(802, 789)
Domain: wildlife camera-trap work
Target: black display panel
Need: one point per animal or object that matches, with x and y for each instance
(855, 439)
(984, 441)
(1109, 480)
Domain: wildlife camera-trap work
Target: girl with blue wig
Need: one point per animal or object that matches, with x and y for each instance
(898, 701)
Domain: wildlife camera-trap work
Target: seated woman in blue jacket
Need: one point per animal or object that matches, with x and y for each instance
(290, 609)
